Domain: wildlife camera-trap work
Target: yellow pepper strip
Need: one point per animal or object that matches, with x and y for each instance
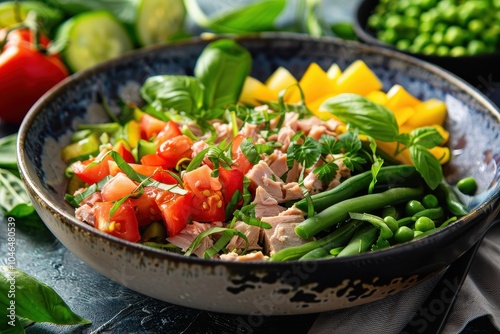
(442, 153)
(430, 112)
(255, 91)
(315, 84)
(280, 79)
(390, 148)
(403, 114)
(358, 79)
(398, 97)
(334, 72)
(377, 96)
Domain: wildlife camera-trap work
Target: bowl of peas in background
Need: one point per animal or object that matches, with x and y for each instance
(460, 36)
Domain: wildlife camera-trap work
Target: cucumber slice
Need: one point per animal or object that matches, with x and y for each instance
(93, 37)
(158, 20)
(49, 16)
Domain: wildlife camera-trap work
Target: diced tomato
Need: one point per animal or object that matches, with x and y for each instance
(231, 180)
(240, 161)
(155, 172)
(208, 201)
(154, 159)
(117, 188)
(92, 174)
(174, 149)
(170, 131)
(122, 224)
(150, 126)
(121, 148)
(175, 210)
(145, 206)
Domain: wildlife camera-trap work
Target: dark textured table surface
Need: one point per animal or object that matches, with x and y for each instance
(113, 308)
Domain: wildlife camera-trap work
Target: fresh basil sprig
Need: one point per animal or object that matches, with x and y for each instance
(34, 301)
(378, 122)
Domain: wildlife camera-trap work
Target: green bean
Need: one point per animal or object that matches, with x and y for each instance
(433, 213)
(385, 231)
(360, 242)
(339, 212)
(337, 238)
(318, 253)
(453, 204)
(424, 224)
(403, 234)
(390, 175)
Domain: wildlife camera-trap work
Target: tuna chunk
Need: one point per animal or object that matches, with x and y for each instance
(266, 205)
(186, 237)
(86, 214)
(261, 175)
(251, 232)
(282, 234)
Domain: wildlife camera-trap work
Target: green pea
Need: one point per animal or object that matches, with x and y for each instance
(413, 207)
(403, 234)
(390, 211)
(429, 49)
(403, 44)
(450, 15)
(476, 47)
(476, 26)
(440, 27)
(454, 36)
(424, 224)
(458, 51)
(388, 36)
(443, 51)
(496, 4)
(412, 11)
(392, 223)
(422, 40)
(426, 27)
(467, 186)
(437, 37)
(430, 201)
(394, 22)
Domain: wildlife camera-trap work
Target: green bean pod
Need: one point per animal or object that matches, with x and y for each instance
(337, 238)
(361, 241)
(318, 253)
(389, 175)
(339, 212)
(453, 203)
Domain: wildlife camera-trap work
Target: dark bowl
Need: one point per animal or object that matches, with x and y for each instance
(481, 71)
(261, 287)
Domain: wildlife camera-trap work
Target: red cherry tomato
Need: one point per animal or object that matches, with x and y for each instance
(25, 74)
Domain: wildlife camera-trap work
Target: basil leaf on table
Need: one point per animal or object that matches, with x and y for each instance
(222, 68)
(240, 19)
(14, 199)
(34, 300)
(369, 118)
(179, 92)
(8, 158)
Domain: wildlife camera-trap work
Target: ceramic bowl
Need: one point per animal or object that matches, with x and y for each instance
(265, 287)
(480, 70)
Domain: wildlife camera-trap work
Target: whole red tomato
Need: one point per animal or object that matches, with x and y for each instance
(25, 73)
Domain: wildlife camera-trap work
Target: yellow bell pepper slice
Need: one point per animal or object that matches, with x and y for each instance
(403, 114)
(430, 112)
(377, 96)
(280, 79)
(358, 78)
(255, 91)
(442, 153)
(334, 72)
(398, 97)
(314, 83)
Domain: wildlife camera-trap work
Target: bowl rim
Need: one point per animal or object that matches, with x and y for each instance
(366, 35)
(70, 220)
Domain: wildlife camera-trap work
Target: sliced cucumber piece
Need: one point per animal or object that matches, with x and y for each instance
(93, 37)
(158, 20)
(10, 15)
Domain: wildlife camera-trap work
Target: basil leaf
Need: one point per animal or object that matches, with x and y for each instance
(34, 300)
(178, 92)
(8, 158)
(369, 118)
(427, 165)
(426, 136)
(222, 68)
(250, 151)
(241, 19)
(11, 326)
(14, 199)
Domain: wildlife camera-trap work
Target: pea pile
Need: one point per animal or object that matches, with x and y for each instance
(438, 27)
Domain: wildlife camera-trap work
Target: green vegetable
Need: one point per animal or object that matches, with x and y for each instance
(93, 37)
(222, 68)
(424, 224)
(33, 299)
(430, 201)
(339, 212)
(318, 253)
(147, 21)
(179, 92)
(388, 175)
(413, 207)
(385, 231)
(337, 238)
(8, 158)
(14, 199)
(467, 185)
(361, 241)
(403, 234)
(237, 19)
(49, 17)
(453, 203)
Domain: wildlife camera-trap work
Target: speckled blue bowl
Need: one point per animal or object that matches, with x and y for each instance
(268, 288)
